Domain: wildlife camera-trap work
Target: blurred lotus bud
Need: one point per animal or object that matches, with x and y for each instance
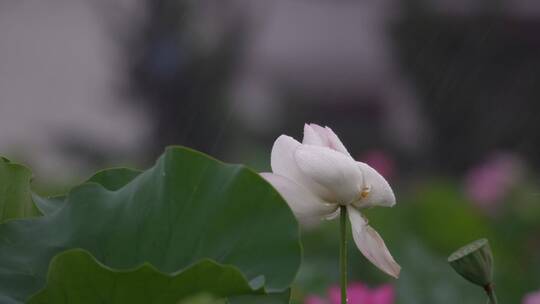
(474, 262)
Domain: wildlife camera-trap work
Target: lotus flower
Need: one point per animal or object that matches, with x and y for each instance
(532, 298)
(488, 183)
(358, 293)
(318, 176)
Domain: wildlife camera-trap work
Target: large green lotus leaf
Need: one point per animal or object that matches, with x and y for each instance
(186, 208)
(115, 178)
(48, 205)
(15, 196)
(75, 276)
(111, 179)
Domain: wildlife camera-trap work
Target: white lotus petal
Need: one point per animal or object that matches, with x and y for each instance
(371, 244)
(304, 204)
(331, 169)
(379, 192)
(335, 142)
(283, 163)
(324, 137)
(312, 137)
(334, 215)
(321, 133)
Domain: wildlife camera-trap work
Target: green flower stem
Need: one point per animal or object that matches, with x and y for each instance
(490, 290)
(343, 253)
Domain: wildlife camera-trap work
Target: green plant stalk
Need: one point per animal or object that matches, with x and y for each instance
(343, 253)
(490, 290)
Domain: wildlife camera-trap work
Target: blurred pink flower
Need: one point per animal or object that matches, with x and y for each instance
(532, 298)
(488, 183)
(315, 300)
(380, 161)
(358, 293)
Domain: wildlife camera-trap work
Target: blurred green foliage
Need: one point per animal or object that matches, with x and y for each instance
(15, 195)
(431, 220)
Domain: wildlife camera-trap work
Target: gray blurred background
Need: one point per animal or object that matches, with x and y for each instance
(88, 83)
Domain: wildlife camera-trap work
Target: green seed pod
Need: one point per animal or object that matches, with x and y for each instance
(474, 262)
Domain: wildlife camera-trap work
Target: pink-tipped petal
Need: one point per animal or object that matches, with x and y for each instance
(370, 243)
(335, 142)
(323, 134)
(335, 171)
(305, 205)
(324, 137)
(312, 137)
(379, 191)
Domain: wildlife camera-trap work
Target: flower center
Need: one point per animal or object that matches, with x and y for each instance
(365, 192)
